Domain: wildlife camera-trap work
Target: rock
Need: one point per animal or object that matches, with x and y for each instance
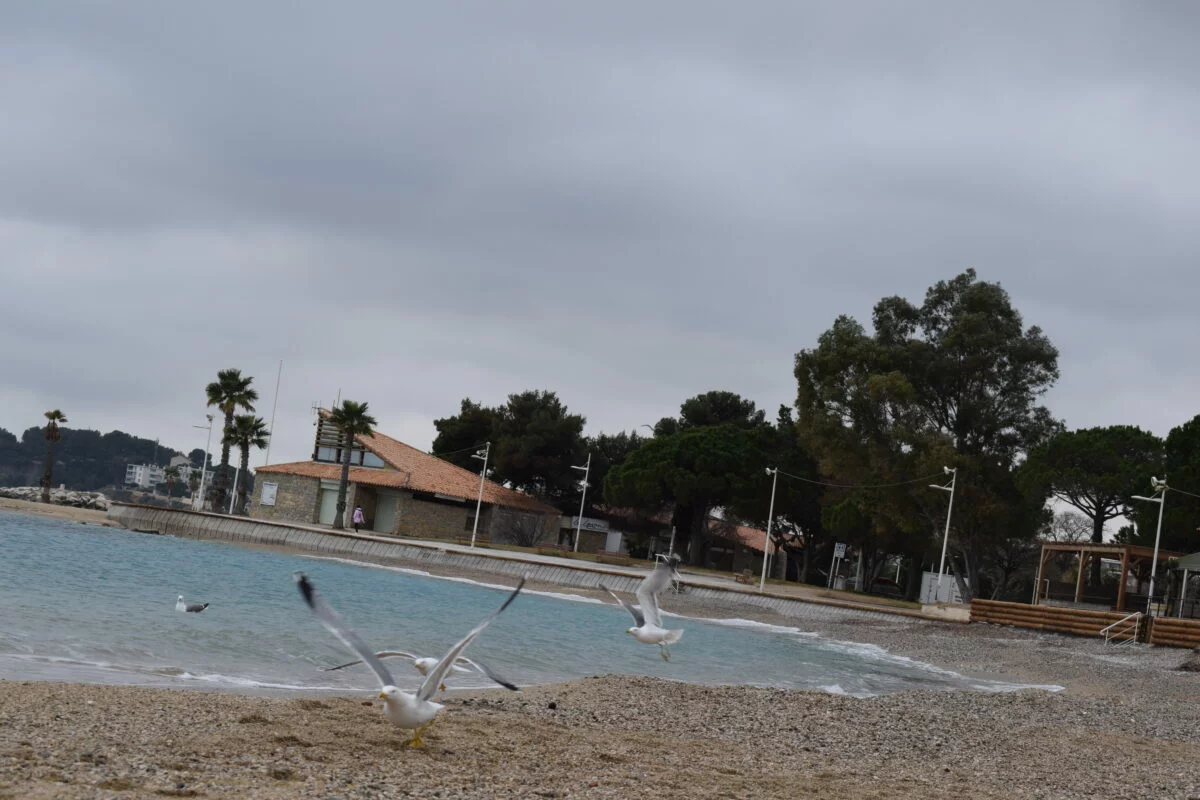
(61, 497)
(1192, 664)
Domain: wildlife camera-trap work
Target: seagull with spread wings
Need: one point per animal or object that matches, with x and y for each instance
(413, 711)
(649, 626)
(424, 665)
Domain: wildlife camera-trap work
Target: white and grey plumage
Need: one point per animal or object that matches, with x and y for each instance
(648, 628)
(424, 664)
(412, 711)
(194, 608)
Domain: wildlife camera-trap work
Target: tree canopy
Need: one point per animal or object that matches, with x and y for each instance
(535, 441)
(1181, 514)
(955, 381)
(1096, 470)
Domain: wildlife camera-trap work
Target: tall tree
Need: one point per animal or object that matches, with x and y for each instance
(608, 451)
(537, 442)
(352, 420)
(52, 434)
(720, 408)
(1181, 515)
(693, 471)
(460, 435)
(957, 381)
(1096, 470)
(797, 524)
(246, 432)
(170, 478)
(229, 392)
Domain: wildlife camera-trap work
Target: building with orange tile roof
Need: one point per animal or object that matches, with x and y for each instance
(402, 491)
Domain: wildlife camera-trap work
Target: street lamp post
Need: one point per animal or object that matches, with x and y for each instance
(762, 583)
(204, 467)
(1160, 489)
(953, 473)
(587, 469)
(487, 450)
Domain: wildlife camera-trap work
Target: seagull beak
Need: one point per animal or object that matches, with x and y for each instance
(383, 695)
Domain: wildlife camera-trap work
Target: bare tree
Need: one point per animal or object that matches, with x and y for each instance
(518, 527)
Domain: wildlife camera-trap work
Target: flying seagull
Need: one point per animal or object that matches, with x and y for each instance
(425, 665)
(194, 608)
(411, 711)
(648, 628)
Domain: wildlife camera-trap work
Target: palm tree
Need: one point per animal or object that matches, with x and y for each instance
(229, 392)
(246, 431)
(171, 477)
(352, 420)
(194, 480)
(52, 434)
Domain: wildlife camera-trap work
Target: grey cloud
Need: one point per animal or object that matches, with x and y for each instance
(626, 203)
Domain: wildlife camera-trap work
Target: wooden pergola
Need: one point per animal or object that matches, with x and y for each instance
(1130, 555)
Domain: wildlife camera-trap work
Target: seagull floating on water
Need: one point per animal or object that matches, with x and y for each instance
(194, 608)
(425, 665)
(649, 628)
(412, 711)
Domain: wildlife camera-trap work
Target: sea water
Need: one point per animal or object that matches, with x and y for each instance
(93, 604)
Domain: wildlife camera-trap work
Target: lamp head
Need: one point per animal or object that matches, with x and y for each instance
(947, 470)
(769, 470)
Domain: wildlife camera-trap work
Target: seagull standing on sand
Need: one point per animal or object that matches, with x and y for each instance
(411, 711)
(194, 608)
(425, 665)
(649, 629)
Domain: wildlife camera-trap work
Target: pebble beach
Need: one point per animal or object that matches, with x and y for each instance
(1125, 725)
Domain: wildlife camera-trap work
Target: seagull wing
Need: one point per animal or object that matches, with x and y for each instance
(438, 673)
(492, 676)
(637, 615)
(334, 624)
(380, 655)
(650, 589)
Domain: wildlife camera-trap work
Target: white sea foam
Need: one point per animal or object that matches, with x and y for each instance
(420, 573)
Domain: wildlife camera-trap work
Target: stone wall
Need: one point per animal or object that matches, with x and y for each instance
(426, 520)
(297, 500)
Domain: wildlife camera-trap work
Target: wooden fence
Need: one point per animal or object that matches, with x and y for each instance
(1175, 632)
(1078, 621)
(1165, 631)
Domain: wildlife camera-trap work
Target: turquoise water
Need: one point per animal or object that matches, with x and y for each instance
(91, 604)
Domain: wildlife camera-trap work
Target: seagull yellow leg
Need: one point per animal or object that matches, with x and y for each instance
(664, 652)
(416, 740)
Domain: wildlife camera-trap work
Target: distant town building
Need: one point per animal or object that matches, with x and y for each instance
(146, 476)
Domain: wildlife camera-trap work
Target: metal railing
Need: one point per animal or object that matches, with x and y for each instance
(1114, 631)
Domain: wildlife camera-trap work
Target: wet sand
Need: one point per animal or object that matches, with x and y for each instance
(68, 513)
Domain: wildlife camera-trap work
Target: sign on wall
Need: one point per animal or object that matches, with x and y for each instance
(839, 550)
(268, 494)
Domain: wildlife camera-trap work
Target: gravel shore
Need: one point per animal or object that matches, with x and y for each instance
(1126, 726)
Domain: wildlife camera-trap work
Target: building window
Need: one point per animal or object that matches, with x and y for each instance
(372, 460)
(327, 454)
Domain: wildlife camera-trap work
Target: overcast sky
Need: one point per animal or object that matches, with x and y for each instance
(628, 203)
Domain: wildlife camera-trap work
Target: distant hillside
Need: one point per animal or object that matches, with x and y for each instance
(84, 460)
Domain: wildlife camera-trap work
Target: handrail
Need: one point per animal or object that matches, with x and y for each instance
(1110, 634)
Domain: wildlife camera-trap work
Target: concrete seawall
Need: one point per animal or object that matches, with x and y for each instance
(433, 555)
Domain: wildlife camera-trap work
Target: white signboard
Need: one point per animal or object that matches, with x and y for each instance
(839, 550)
(268, 494)
(590, 524)
(948, 593)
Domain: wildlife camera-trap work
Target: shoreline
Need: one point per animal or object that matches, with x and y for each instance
(86, 516)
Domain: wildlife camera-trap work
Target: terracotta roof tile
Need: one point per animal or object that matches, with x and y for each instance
(415, 470)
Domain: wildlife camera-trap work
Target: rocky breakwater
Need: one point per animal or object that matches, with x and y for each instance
(60, 497)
